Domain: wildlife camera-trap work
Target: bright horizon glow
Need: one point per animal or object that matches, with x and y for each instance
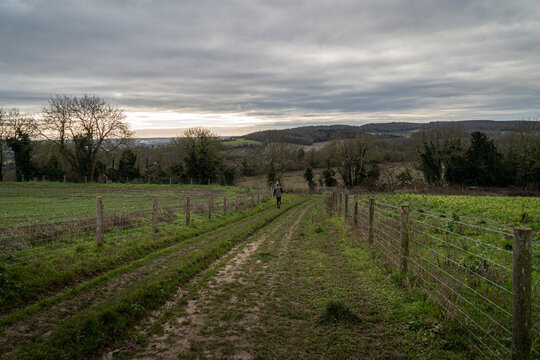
(162, 123)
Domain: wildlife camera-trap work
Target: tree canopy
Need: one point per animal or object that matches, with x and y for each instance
(84, 129)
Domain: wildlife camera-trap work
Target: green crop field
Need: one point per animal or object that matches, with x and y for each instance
(243, 279)
(497, 212)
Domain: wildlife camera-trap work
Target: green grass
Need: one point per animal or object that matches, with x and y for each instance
(112, 320)
(466, 268)
(63, 265)
(274, 307)
(498, 212)
(38, 203)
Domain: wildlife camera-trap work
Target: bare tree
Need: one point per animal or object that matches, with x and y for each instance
(351, 156)
(84, 129)
(279, 158)
(438, 148)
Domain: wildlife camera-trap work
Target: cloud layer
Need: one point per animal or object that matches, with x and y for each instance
(278, 62)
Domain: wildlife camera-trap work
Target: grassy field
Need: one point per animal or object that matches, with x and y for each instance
(460, 250)
(497, 212)
(239, 142)
(257, 282)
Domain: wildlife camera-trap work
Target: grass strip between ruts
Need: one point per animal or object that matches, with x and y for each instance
(110, 321)
(167, 239)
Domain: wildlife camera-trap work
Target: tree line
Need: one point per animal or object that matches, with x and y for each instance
(446, 155)
(85, 139)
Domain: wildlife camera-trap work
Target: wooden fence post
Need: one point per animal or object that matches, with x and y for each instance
(404, 237)
(210, 206)
(224, 204)
(188, 211)
(346, 207)
(371, 218)
(85, 179)
(99, 220)
(521, 281)
(64, 178)
(355, 220)
(339, 204)
(155, 215)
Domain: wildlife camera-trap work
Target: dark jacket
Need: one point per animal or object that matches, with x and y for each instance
(278, 191)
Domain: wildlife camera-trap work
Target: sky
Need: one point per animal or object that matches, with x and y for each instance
(237, 66)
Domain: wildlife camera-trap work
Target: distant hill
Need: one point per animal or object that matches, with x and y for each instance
(308, 135)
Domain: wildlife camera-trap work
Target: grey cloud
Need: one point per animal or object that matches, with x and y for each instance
(280, 59)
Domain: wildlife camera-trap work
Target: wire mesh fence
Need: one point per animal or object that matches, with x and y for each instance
(39, 228)
(467, 269)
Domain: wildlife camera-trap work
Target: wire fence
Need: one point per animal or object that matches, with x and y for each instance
(467, 269)
(38, 229)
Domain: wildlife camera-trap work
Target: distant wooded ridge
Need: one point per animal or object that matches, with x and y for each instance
(307, 135)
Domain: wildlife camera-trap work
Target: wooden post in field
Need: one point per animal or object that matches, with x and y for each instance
(339, 204)
(188, 211)
(22, 177)
(85, 179)
(64, 178)
(224, 204)
(346, 207)
(99, 220)
(210, 207)
(371, 218)
(521, 281)
(170, 181)
(404, 237)
(258, 196)
(355, 220)
(43, 178)
(155, 215)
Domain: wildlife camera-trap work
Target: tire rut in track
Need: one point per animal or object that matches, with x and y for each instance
(44, 321)
(181, 332)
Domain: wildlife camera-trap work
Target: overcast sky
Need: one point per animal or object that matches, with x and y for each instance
(239, 66)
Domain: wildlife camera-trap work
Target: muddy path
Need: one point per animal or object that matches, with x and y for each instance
(265, 299)
(197, 314)
(41, 323)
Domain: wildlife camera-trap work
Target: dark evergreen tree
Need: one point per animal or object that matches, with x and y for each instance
(21, 145)
(431, 162)
(329, 176)
(127, 166)
(53, 169)
(308, 176)
(484, 162)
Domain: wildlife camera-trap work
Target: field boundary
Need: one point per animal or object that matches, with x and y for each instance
(486, 279)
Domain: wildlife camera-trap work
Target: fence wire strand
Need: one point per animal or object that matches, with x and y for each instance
(460, 265)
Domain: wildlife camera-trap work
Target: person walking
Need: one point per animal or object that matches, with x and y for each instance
(278, 191)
